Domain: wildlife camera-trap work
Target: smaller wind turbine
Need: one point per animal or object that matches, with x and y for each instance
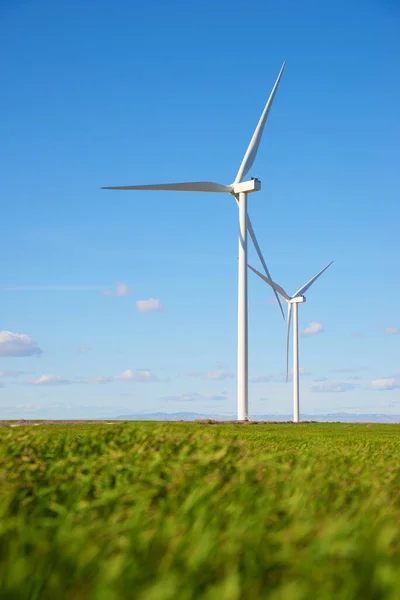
(295, 300)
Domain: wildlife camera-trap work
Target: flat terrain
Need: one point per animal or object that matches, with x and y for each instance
(179, 511)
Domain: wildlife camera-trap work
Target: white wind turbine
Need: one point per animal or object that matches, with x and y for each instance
(295, 300)
(239, 189)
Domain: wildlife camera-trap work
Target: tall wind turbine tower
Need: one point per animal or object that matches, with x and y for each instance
(240, 190)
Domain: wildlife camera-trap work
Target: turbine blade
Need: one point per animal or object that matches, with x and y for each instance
(274, 285)
(289, 321)
(251, 151)
(305, 287)
(191, 186)
(260, 256)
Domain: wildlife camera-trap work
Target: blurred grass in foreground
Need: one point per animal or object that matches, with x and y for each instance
(162, 511)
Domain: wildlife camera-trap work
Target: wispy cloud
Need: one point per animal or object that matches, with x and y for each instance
(18, 345)
(195, 396)
(84, 349)
(392, 330)
(279, 378)
(11, 373)
(388, 383)
(150, 305)
(302, 371)
(143, 375)
(261, 378)
(219, 375)
(349, 369)
(139, 375)
(51, 288)
(129, 375)
(121, 289)
(98, 380)
(271, 300)
(333, 387)
(220, 364)
(313, 328)
(49, 380)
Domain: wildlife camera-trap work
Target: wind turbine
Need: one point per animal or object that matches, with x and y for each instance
(293, 301)
(239, 189)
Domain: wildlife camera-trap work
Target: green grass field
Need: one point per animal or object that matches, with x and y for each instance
(158, 511)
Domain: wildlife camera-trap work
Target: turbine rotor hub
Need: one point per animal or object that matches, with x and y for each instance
(254, 185)
(298, 300)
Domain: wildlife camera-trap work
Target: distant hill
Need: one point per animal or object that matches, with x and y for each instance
(330, 417)
(181, 416)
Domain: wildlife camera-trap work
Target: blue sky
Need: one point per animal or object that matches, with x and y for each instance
(123, 93)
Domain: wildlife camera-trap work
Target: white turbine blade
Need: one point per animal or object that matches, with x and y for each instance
(274, 285)
(191, 186)
(305, 287)
(289, 320)
(251, 151)
(260, 256)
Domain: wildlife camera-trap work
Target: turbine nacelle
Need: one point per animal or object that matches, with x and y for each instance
(297, 300)
(254, 185)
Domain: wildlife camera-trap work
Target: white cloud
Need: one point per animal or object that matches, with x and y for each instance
(49, 380)
(392, 330)
(349, 369)
(99, 380)
(220, 364)
(150, 305)
(272, 300)
(195, 396)
(388, 383)
(121, 289)
(219, 375)
(279, 378)
(190, 397)
(222, 396)
(84, 349)
(313, 328)
(138, 375)
(282, 377)
(333, 386)
(302, 371)
(260, 378)
(18, 344)
(11, 373)
(50, 288)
